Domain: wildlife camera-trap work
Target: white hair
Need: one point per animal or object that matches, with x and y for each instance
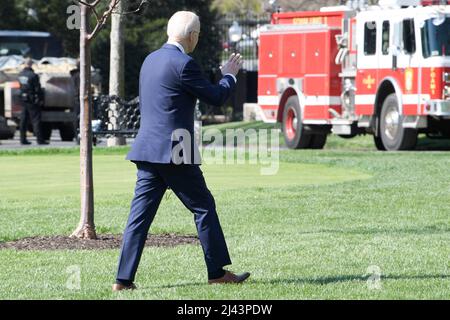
(182, 23)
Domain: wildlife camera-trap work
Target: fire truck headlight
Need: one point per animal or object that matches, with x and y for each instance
(446, 92)
(409, 77)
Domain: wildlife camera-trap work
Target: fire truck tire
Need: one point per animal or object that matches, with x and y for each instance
(6, 132)
(293, 130)
(318, 141)
(66, 131)
(378, 143)
(392, 133)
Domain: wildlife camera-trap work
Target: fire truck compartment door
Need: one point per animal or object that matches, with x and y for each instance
(315, 60)
(292, 48)
(268, 54)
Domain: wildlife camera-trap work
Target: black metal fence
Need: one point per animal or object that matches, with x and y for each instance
(240, 33)
(114, 116)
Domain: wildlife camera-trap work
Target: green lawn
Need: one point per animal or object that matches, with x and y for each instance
(313, 231)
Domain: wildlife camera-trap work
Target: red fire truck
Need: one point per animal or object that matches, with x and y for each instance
(357, 69)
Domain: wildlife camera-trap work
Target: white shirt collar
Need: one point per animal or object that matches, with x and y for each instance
(179, 46)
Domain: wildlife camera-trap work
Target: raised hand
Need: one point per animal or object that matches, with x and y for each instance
(233, 65)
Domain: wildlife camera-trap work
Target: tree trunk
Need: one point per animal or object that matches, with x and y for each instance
(116, 70)
(117, 63)
(86, 227)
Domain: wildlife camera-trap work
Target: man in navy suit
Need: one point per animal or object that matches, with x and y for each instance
(169, 86)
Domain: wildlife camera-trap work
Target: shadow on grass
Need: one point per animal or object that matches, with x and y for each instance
(348, 278)
(317, 281)
(427, 144)
(383, 231)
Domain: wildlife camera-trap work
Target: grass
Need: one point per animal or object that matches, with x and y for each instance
(317, 230)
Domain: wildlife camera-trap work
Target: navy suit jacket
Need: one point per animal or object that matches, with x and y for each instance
(169, 85)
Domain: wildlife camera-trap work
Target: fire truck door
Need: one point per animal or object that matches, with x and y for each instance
(367, 64)
(407, 55)
(409, 75)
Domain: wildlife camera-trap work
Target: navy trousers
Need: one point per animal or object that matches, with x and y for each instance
(188, 184)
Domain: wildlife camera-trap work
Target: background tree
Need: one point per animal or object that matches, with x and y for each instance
(145, 32)
(238, 6)
(86, 226)
(116, 67)
(295, 5)
(10, 15)
(291, 5)
(38, 15)
(116, 60)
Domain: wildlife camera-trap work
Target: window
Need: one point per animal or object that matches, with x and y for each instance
(36, 47)
(370, 38)
(409, 36)
(436, 37)
(385, 38)
(14, 48)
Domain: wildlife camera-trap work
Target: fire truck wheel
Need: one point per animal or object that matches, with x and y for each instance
(293, 130)
(393, 135)
(378, 143)
(6, 132)
(66, 131)
(318, 141)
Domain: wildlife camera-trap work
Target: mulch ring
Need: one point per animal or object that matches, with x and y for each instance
(104, 241)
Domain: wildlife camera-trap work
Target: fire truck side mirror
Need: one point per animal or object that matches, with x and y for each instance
(396, 46)
(397, 36)
(395, 52)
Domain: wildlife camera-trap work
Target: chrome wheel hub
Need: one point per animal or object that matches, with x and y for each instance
(392, 121)
(294, 122)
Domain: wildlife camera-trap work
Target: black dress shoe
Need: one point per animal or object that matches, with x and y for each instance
(26, 142)
(230, 277)
(121, 287)
(43, 142)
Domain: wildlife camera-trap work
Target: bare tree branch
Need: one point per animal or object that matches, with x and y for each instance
(96, 2)
(137, 10)
(87, 4)
(91, 6)
(97, 17)
(101, 23)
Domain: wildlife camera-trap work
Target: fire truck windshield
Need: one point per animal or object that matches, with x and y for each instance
(436, 37)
